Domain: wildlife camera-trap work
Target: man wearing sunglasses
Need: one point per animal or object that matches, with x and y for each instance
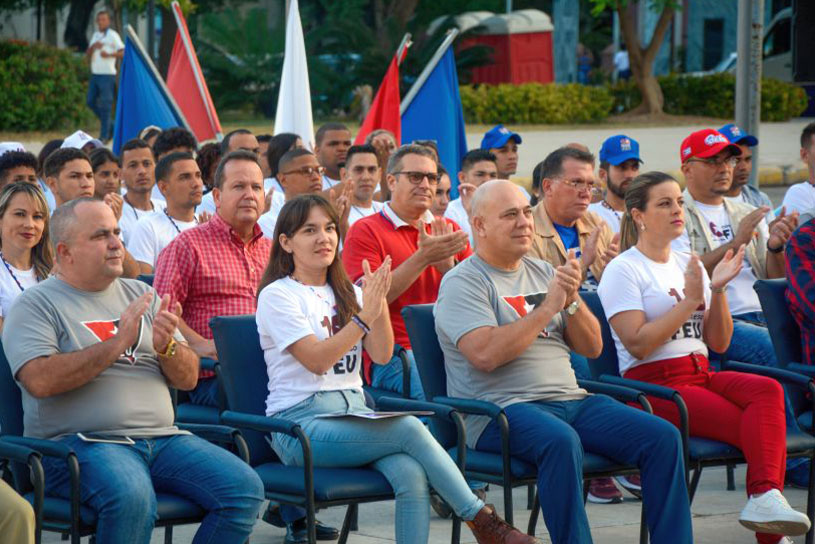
(714, 224)
(422, 249)
(299, 173)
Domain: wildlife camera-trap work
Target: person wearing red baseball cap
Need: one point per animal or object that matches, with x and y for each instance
(714, 225)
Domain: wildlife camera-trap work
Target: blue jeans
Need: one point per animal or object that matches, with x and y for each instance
(100, 100)
(389, 377)
(401, 448)
(751, 341)
(553, 436)
(120, 483)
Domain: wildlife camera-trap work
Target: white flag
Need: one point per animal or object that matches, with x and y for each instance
(294, 101)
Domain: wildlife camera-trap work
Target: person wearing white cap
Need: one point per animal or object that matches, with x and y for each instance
(106, 46)
(81, 140)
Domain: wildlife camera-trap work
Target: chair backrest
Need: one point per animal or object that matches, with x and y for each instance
(421, 328)
(243, 375)
(146, 278)
(607, 362)
(11, 418)
(784, 330)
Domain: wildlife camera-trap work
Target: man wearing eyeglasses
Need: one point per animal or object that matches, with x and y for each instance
(714, 224)
(363, 174)
(422, 249)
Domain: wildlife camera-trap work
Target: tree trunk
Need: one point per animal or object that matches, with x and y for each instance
(165, 46)
(77, 24)
(50, 24)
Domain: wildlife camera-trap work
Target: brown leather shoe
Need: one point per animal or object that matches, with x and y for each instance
(488, 528)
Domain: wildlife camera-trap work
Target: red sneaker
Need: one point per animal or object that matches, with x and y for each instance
(603, 491)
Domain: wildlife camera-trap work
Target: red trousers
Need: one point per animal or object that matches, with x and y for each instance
(740, 409)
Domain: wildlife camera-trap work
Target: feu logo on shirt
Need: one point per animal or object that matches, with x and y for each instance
(523, 304)
(105, 330)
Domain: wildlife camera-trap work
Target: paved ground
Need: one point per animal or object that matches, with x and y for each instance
(715, 515)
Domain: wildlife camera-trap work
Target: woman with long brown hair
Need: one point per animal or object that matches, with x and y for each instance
(25, 247)
(313, 324)
(664, 313)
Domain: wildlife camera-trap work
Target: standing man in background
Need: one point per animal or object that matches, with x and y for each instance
(106, 46)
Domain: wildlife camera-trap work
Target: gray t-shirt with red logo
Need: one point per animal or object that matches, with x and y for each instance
(475, 294)
(131, 397)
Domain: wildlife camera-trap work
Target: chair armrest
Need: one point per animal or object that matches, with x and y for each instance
(259, 423)
(402, 353)
(619, 392)
(471, 406)
(48, 448)
(208, 364)
(782, 375)
(220, 434)
(806, 370)
(17, 452)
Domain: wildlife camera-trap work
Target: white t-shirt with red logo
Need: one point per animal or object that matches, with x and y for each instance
(289, 311)
(632, 281)
(741, 297)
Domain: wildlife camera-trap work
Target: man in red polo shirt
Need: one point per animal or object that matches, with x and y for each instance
(423, 249)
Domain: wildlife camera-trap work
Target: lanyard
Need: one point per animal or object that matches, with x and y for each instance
(13, 275)
(178, 230)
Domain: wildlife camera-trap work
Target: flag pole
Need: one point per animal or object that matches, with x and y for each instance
(400, 51)
(434, 60)
(182, 30)
(134, 39)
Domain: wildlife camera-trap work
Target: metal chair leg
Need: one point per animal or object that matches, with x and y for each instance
(530, 497)
(731, 480)
(455, 535)
(694, 482)
(533, 517)
(508, 503)
(643, 526)
(168, 534)
(810, 538)
(585, 491)
(350, 513)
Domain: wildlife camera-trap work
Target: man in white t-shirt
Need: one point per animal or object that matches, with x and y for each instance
(299, 173)
(362, 171)
(138, 170)
(106, 46)
(801, 196)
(332, 141)
(179, 180)
(477, 167)
(713, 225)
(619, 164)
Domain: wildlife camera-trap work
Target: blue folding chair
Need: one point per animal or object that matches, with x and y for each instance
(501, 469)
(245, 382)
(702, 452)
(70, 516)
(32, 460)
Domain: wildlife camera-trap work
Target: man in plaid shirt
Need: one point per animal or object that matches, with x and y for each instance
(800, 263)
(215, 268)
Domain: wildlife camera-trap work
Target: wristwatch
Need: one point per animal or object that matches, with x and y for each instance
(571, 309)
(170, 350)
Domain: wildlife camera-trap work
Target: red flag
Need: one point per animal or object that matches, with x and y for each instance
(186, 83)
(384, 112)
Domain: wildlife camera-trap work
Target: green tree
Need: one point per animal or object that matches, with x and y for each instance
(641, 56)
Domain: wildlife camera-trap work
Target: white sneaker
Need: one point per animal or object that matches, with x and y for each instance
(771, 513)
(785, 540)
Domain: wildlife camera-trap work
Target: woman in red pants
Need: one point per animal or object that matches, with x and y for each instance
(664, 312)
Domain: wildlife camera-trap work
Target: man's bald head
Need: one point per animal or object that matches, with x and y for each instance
(491, 192)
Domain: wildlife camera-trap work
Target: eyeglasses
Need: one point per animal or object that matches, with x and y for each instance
(721, 161)
(581, 186)
(416, 177)
(307, 171)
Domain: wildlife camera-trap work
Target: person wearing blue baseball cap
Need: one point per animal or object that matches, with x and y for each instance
(503, 143)
(740, 190)
(619, 165)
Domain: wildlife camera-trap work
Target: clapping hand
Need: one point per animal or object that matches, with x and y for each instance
(694, 285)
(728, 268)
(375, 287)
(439, 248)
(165, 323)
(781, 228)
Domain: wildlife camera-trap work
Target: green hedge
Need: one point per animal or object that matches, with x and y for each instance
(714, 96)
(535, 103)
(41, 87)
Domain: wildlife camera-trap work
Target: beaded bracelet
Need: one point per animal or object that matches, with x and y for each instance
(361, 324)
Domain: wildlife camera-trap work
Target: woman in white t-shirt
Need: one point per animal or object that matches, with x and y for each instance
(664, 313)
(25, 248)
(313, 325)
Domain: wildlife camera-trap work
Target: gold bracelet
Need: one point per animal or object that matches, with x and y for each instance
(718, 289)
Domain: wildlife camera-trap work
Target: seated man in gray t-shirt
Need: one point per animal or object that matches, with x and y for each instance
(94, 356)
(506, 323)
